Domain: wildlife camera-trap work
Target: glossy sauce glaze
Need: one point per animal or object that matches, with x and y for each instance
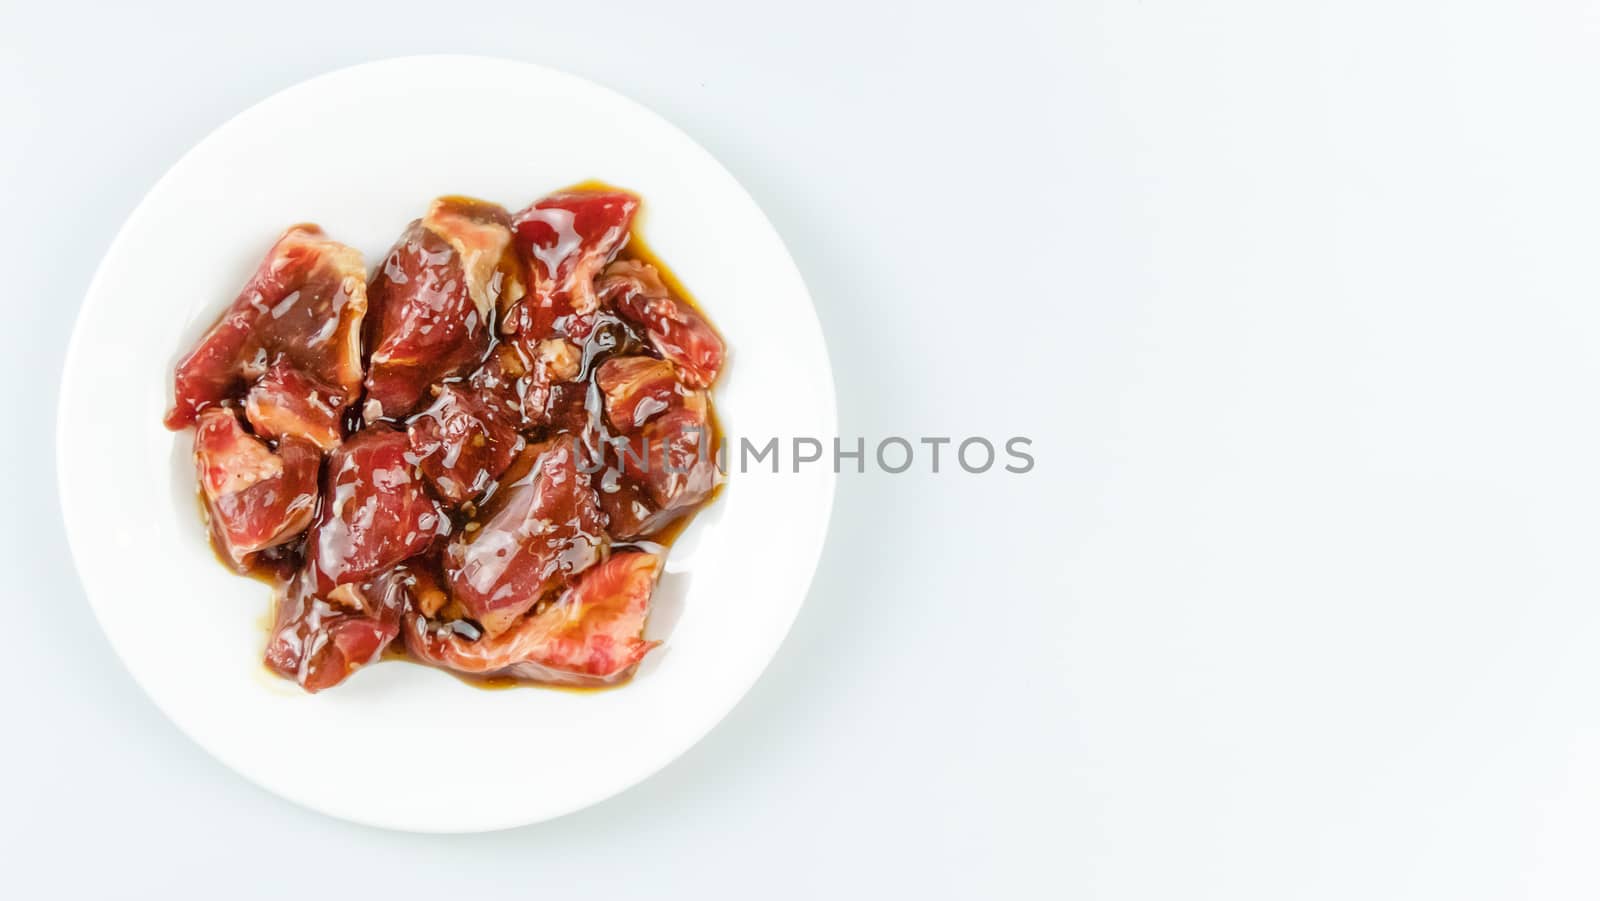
(532, 430)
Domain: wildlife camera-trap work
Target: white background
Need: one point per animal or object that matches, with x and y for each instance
(1298, 306)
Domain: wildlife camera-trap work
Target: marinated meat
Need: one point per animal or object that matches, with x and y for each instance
(376, 511)
(540, 530)
(677, 331)
(490, 464)
(319, 640)
(636, 388)
(462, 443)
(255, 498)
(565, 239)
(630, 512)
(591, 635)
(667, 468)
(302, 309)
(287, 403)
(433, 302)
(510, 384)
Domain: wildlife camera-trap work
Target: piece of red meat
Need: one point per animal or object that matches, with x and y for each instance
(664, 469)
(592, 635)
(635, 389)
(630, 512)
(536, 532)
(376, 511)
(288, 403)
(675, 328)
(565, 239)
(511, 385)
(255, 498)
(682, 471)
(518, 378)
(462, 443)
(319, 640)
(433, 302)
(303, 308)
(672, 455)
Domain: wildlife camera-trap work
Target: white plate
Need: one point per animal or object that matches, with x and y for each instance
(361, 151)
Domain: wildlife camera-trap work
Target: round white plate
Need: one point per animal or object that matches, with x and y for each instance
(361, 152)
